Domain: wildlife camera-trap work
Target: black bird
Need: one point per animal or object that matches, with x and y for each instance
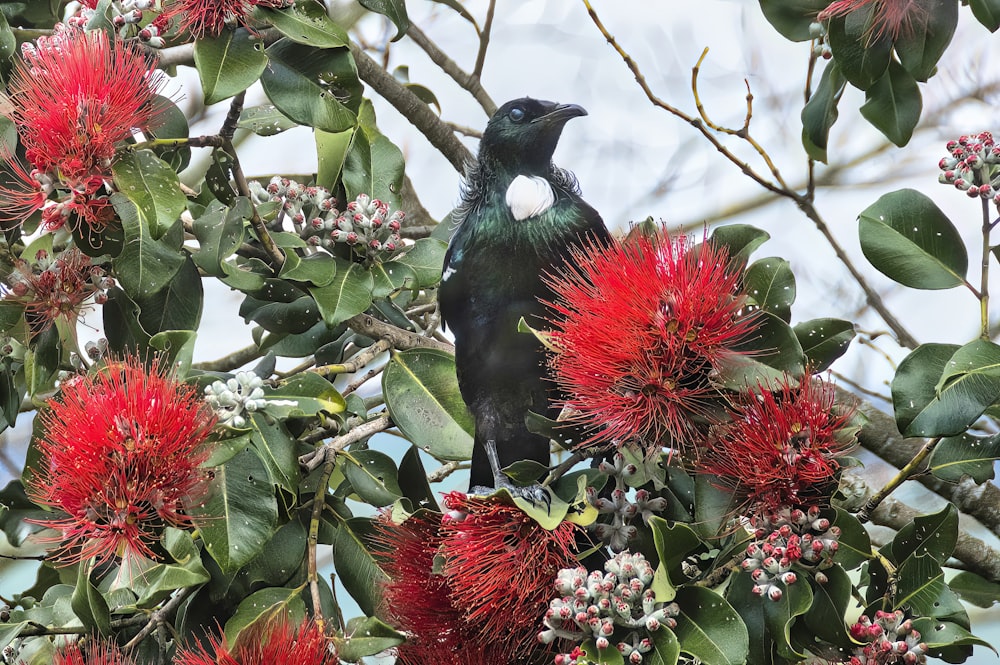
(520, 216)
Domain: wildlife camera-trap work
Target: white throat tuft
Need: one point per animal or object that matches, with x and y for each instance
(529, 196)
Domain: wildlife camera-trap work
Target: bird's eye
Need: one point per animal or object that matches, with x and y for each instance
(516, 114)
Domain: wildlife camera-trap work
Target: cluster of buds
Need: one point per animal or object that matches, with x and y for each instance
(971, 164)
(365, 224)
(123, 13)
(889, 639)
(244, 393)
(623, 511)
(597, 606)
(821, 46)
(784, 539)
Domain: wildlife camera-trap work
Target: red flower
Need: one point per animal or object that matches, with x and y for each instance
(76, 97)
(54, 289)
(120, 451)
(93, 653)
(209, 17)
(500, 564)
(639, 330)
(781, 448)
(276, 642)
(889, 18)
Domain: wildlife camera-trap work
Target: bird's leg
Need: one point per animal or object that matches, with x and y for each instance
(536, 494)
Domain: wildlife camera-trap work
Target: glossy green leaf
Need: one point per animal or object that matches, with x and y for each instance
(331, 153)
(938, 635)
(229, 63)
(277, 449)
(219, 176)
(862, 54)
(709, 628)
(305, 23)
(265, 120)
(314, 87)
(176, 307)
(152, 185)
(394, 10)
(893, 104)
(348, 293)
(263, 606)
(920, 588)
(770, 353)
(283, 558)
(932, 535)
(425, 258)
(925, 406)
(169, 122)
(185, 571)
(390, 277)
(239, 513)
(368, 637)
(373, 164)
(920, 48)
(823, 341)
(373, 475)
(144, 265)
(970, 587)
(355, 565)
(713, 507)
(780, 614)
(740, 240)
(792, 18)
(965, 455)
(303, 394)
(987, 12)
(421, 393)
(219, 231)
(770, 285)
(176, 348)
(10, 631)
(413, 479)
(830, 600)
(666, 648)
(750, 607)
(316, 269)
(910, 240)
(855, 543)
(820, 112)
(674, 542)
(88, 603)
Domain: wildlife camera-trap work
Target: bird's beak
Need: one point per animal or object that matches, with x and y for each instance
(562, 113)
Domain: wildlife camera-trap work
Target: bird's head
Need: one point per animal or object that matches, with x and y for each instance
(523, 133)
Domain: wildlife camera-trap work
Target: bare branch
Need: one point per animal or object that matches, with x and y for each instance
(464, 79)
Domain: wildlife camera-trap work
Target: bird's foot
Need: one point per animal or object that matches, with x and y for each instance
(535, 494)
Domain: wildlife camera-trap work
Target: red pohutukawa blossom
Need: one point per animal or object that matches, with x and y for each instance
(500, 564)
(93, 652)
(781, 447)
(76, 96)
(210, 17)
(890, 18)
(53, 289)
(494, 564)
(639, 330)
(120, 450)
(275, 642)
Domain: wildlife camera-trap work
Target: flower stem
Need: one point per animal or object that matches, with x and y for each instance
(984, 288)
(903, 475)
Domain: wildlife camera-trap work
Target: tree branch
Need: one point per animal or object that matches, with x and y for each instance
(465, 80)
(400, 339)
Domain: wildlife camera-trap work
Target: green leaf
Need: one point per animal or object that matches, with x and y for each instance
(823, 341)
(425, 258)
(390, 277)
(770, 285)
(792, 18)
(277, 449)
(219, 231)
(373, 164)
(169, 122)
(367, 638)
(153, 585)
(176, 348)
(709, 628)
(825, 617)
(713, 507)
(355, 565)
(317, 269)
(920, 47)
(88, 603)
(331, 152)
(219, 176)
(152, 185)
(928, 535)
(862, 54)
(394, 10)
(314, 87)
(938, 635)
(303, 394)
(348, 293)
(740, 595)
(144, 265)
(421, 393)
(780, 614)
(770, 353)
(674, 542)
(820, 112)
(986, 12)
(970, 587)
(9, 632)
(228, 64)
(893, 104)
(265, 120)
(741, 240)
(921, 590)
(910, 240)
(175, 307)
(372, 475)
(965, 455)
(413, 479)
(263, 606)
(855, 543)
(927, 406)
(305, 23)
(666, 648)
(240, 512)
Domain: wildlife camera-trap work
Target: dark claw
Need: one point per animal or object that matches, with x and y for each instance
(534, 494)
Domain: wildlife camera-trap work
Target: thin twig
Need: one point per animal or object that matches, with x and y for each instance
(363, 357)
(362, 380)
(311, 461)
(400, 339)
(234, 360)
(465, 80)
(319, 502)
(903, 475)
(445, 470)
(160, 616)
(484, 40)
